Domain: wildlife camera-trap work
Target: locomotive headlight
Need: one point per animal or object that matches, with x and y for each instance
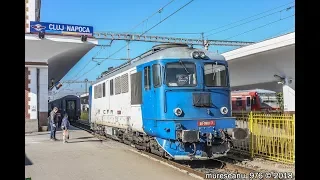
(202, 55)
(224, 110)
(177, 111)
(196, 54)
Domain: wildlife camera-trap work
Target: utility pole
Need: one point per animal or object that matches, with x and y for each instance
(86, 81)
(86, 86)
(205, 42)
(128, 48)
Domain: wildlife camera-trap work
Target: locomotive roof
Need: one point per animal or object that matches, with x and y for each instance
(64, 97)
(183, 52)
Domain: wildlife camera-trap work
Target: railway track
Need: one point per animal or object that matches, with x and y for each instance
(199, 169)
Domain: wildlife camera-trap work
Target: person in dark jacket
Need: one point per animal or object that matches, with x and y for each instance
(53, 123)
(59, 114)
(65, 125)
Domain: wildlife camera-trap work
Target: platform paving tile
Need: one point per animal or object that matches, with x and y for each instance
(87, 158)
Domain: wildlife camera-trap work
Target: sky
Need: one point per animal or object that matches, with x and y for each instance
(245, 20)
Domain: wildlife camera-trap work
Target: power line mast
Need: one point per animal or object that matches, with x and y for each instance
(163, 39)
(86, 81)
(75, 81)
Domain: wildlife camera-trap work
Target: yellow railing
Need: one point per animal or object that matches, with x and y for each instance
(271, 136)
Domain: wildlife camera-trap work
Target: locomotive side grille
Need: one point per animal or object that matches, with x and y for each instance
(190, 136)
(202, 99)
(124, 83)
(117, 85)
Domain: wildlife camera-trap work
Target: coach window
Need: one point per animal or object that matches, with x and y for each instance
(103, 89)
(239, 102)
(147, 80)
(95, 92)
(248, 101)
(100, 91)
(111, 87)
(156, 75)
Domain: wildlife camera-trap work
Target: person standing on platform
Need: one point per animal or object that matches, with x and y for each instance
(65, 125)
(59, 117)
(53, 124)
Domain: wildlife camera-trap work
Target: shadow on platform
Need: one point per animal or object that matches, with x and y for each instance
(88, 137)
(27, 161)
(92, 140)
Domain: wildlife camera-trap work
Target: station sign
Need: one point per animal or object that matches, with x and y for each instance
(60, 29)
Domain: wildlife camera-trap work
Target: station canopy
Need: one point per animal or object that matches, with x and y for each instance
(58, 51)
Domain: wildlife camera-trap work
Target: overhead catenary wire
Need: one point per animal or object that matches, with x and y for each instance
(190, 33)
(88, 63)
(161, 9)
(143, 33)
(129, 30)
(249, 21)
(248, 17)
(150, 29)
(129, 42)
(261, 46)
(281, 33)
(259, 27)
(187, 33)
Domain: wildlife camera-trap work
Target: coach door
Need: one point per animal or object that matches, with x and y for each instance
(136, 98)
(71, 109)
(248, 103)
(156, 81)
(147, 93)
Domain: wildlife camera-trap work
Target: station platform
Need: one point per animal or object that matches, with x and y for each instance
(85, 157)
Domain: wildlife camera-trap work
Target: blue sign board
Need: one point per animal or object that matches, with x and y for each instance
(63, 29)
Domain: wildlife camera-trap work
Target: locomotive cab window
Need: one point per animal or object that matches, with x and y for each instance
(181, 74)
(215, 75)
(147, 80)
(156, 74)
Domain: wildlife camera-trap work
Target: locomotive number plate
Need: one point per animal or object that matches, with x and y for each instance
(206, 123)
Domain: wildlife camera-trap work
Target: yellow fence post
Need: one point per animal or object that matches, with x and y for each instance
(293, 136)
(251, 134)
(271, 136)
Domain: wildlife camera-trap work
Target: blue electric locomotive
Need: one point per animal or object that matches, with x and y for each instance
(173, 101)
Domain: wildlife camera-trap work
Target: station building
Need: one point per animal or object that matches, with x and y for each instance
(51, 50)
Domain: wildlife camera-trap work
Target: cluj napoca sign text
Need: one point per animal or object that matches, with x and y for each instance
(63, 29)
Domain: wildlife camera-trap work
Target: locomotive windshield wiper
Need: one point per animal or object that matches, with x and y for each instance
(184, 66)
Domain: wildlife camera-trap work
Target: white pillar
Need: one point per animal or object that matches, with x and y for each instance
(43, 91)
(33, 93)
(288, 96)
